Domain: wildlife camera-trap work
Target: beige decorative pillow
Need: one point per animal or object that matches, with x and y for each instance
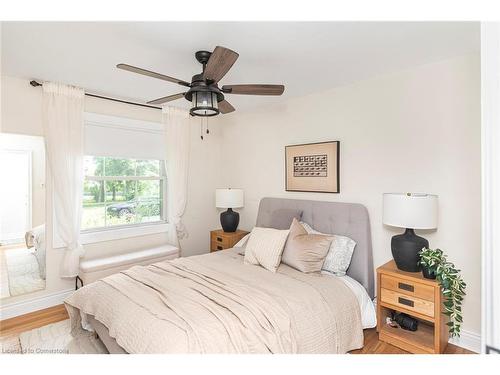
(265, 246)
(339, 256)
(305, 252)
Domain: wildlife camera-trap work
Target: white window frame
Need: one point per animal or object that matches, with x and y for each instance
(117, 232)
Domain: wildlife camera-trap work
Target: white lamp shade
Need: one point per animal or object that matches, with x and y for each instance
(228, 198)
(411, 210)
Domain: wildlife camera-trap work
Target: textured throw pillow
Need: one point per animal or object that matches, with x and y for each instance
(305, 252)
(339, 255)
(282, 218)
(265, 247)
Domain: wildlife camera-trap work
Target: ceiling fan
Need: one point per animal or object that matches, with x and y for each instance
(204, 93)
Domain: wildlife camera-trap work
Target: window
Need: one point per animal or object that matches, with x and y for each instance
(122, 191)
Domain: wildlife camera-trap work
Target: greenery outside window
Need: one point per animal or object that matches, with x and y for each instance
(122, 191)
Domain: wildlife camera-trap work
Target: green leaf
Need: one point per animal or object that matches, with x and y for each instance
(451, 284)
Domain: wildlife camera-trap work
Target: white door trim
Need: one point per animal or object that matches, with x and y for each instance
(490, 168)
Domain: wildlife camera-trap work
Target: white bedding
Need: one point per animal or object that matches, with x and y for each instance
(216, 303)
(35, 239)
(368, 314)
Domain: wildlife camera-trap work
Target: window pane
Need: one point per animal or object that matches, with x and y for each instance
(120, 202)
(93, 166)
(93, 205)
(119, 167)
(110, 203)
(148, 168)
(149, 201)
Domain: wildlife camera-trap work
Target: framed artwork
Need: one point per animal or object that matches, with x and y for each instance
(313, 167)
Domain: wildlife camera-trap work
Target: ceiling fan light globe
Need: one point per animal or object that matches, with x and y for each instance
(204, 104)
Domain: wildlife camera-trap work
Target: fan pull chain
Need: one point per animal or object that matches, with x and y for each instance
(204, 119)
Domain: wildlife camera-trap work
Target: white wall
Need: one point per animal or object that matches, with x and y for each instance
(21, 113)
(417, 130)
(414, 131)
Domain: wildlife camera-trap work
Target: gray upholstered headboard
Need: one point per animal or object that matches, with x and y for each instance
(346, 219)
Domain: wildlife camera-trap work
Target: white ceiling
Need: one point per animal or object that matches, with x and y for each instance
(305, 56)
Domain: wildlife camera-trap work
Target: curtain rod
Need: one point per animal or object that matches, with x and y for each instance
(37, 84)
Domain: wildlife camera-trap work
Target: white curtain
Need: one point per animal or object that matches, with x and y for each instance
(63, 128)
(177, 138)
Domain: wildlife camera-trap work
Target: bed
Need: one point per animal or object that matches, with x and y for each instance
(215, 303)
(35, 240)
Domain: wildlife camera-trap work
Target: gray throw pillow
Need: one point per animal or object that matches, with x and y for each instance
(282, 218)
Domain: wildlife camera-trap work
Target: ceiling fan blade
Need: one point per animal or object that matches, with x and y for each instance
(219, 63)
(149, 73)
(168, 98)
(254, 89)
(225, 107)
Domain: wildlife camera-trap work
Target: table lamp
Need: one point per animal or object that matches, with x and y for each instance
(229, 198)
(410, 211)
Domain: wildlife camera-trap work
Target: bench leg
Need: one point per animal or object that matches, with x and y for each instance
(76, 282)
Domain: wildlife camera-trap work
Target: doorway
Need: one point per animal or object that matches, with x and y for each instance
(15, 195)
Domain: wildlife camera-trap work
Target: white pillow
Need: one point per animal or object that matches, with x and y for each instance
(265, 247)
(339, 255)
(243, 241)
(241, 244)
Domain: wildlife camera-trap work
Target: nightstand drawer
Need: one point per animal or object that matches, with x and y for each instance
(221, 240)
(407, 302)
(408, 288)
(214, 246)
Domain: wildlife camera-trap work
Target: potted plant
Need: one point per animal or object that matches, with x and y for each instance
(429, 260)
(435, 265)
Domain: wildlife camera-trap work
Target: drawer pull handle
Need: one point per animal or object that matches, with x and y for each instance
(219, 239)
(219, 247)
(407, 287)
(405, 301)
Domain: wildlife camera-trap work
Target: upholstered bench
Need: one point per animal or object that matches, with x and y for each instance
(95, 269)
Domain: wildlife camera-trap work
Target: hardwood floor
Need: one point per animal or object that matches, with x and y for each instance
(11, 328)
(19, 324)
(374, 346)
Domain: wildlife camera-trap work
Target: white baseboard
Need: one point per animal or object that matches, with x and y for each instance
(24, 307)
(468, 340)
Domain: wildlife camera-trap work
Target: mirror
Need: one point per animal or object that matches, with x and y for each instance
(22, 214)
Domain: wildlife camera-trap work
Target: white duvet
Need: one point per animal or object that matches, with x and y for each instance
(368, 314)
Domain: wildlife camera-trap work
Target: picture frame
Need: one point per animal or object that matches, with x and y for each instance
(313, 167)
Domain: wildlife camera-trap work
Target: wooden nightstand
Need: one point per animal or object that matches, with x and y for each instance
(421, 298)
(220, 240)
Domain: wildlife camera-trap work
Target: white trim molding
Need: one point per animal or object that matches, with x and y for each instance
(468, 340)
(12, 310)
(490, 159)
(125, 231)
(122, 123)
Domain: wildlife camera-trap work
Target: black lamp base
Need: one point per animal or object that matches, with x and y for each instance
(229, 220)
(405, 248)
